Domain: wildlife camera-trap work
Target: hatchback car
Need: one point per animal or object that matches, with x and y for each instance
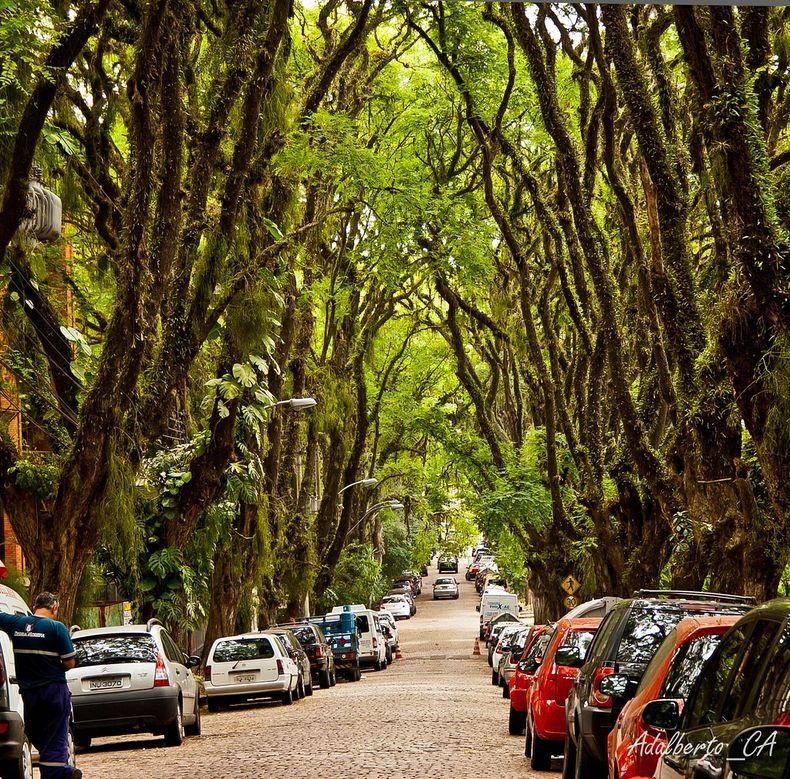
(448, 564)
(521, 681)
(299, 656)
(317, 649)
(567, 646)
(445, 587)
(132, 679)
(634, 748)
(247, 667)
(744, 683)
(627, 640)
(397, 605)
(506, 637)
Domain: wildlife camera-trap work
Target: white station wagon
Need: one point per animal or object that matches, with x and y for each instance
(249, 666)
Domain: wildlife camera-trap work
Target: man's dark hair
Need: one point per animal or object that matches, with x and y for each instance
(45, 600)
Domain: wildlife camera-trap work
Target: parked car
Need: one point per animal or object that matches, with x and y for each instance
(490, 629)
(371, 642)
(627, 640)
(507, 664)
(248, 667)
(761, 752)
(397, 605)
(448, 564)
(387, 620)
(317, 649)
(132, 679)
(299, 656)
(343, 636)
(415, 579)
(445, 587)
(521, 681)
(744, 683)
(401, 587)
(565, 652)
(506, 637)
(634, 748)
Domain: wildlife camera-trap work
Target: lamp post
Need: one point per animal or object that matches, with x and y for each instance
(371, 482)
(392, 504)
(297, 404)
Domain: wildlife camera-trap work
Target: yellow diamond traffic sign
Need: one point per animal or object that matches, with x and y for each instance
(570, 584)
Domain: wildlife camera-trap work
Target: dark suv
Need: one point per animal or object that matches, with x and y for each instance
(317, 649)
(745, 682)
(624, 644)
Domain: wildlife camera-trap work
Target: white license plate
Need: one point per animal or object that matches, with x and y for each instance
(105, 684)
(241, 678)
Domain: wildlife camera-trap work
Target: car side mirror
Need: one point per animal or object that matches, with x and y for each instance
(762, 752)
(615, 685)
(663, 714)
(569, 656)
(193, 661)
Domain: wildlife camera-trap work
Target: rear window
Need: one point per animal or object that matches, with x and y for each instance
(105, 650)
(644, 632)
(232, 650)
(686, 665)
(304, 634)
(362, 623)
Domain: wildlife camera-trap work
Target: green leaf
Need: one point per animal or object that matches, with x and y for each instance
(244, 374)
(273, 229)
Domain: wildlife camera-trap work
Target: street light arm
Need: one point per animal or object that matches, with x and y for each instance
(393, 504)
(371, 482)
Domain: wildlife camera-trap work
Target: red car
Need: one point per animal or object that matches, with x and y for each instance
(567, 647)
(521, 680)
(634, 747)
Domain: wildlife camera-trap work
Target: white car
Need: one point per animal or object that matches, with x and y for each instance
(386, 618)
(249, 666)
(445, 587)
(397, 605)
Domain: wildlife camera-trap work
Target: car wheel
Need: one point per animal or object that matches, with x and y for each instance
(569, 759)
(540, 759)
(377, 665)
(287, 697)
(21, 767)
(174, 733)
(516, 722)
(527, 737)
(333, 678)
(495, 678)
(196, 728)
(300, 689)
(455, 597)
(505, 691)
(357, 674)
(324, 679)
(82, 742)
(213, 706)
(308, 688)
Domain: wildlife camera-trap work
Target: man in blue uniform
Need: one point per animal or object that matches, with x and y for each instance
(42, 652)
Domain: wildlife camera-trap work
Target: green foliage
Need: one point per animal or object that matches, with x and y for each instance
(357, 579)
(39, 478)
(397, 548)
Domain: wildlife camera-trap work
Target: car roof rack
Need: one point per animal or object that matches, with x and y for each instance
(696, 595)
(151, 622)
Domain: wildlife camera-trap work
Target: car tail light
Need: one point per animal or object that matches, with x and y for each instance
(375, 642)
(4, 728)
(597, 698)
(161, 679)
(207, 673)
(280, 667)
(319, 651)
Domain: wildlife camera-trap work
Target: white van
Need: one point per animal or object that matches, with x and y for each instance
(372, 644)
(16, 758)
(496, 601)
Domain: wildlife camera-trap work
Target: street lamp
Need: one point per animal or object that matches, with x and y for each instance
(395, 505)
(371, 482)
(297, 404)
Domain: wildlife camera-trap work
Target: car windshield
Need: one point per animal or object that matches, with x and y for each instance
(124, 648)
(232, 650)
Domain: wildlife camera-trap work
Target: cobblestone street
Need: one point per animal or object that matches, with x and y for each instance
(432, 713)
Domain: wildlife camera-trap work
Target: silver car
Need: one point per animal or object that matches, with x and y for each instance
(132, 679)
(249, 666)
(445, 587)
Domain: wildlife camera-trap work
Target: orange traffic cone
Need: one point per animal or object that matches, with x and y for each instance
(398, 653)
(477, 647)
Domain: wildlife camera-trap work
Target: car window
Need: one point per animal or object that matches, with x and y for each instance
(232, 650)
(304, 634)
(362, 623)
(124, 648)
(534, 655)
(604, 635)
(774, 699)
(686, 665)
(579, 639)
(644, 631)
(173, 653)
(712, 683)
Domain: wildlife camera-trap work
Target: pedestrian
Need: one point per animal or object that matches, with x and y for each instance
(43, 652)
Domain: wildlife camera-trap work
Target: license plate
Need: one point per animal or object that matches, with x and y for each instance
(241, 678)
(104, 684)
